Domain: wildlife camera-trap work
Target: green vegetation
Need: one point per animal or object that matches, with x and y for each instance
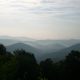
(21, 65)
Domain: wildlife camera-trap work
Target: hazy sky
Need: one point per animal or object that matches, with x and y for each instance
(40, 19)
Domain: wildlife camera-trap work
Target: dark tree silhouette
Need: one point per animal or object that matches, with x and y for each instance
(2, 50)
(26, 65)
(48, 69)
(22, 65)
(72, 66)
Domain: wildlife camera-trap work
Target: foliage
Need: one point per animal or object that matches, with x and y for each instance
(22, 65)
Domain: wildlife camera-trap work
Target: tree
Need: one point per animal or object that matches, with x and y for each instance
(48, 69)
(8, 70)
(72, 65)
(4, 55)
(27, 66)
(2, 50)
(6, 64)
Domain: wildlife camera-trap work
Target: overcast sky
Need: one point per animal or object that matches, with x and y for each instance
(40, 19)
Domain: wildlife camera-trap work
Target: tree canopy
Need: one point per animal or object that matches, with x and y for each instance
(22, 65)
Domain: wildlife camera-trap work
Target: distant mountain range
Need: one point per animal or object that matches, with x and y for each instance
(17, 38)
(27, 48)
(8, 40)
(42, 49)
(61, 54)
(36, 51)
(48, 52)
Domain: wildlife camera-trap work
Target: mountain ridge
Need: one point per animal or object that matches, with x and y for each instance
(61, 54)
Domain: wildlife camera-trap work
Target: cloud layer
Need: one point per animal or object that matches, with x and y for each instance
(40, 18)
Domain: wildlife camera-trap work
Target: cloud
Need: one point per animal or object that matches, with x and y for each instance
(59, 8)
(24, 17)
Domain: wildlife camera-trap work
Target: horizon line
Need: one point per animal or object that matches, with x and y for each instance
(5, 36)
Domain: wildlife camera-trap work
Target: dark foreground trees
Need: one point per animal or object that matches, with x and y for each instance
(72, 66)
(67, 69)
(51, 70)
(21, 65)
(26, 64)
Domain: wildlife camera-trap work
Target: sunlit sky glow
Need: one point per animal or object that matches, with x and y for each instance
(40, 19)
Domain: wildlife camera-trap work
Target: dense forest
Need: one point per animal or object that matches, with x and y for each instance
(22, 65)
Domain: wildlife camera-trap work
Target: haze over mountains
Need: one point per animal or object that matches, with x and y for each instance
(8, 40)
(60, 54)
(42, 49)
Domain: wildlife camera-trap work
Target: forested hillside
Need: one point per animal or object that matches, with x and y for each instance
(22, 65)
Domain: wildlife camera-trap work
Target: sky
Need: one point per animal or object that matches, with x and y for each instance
(40, 19)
